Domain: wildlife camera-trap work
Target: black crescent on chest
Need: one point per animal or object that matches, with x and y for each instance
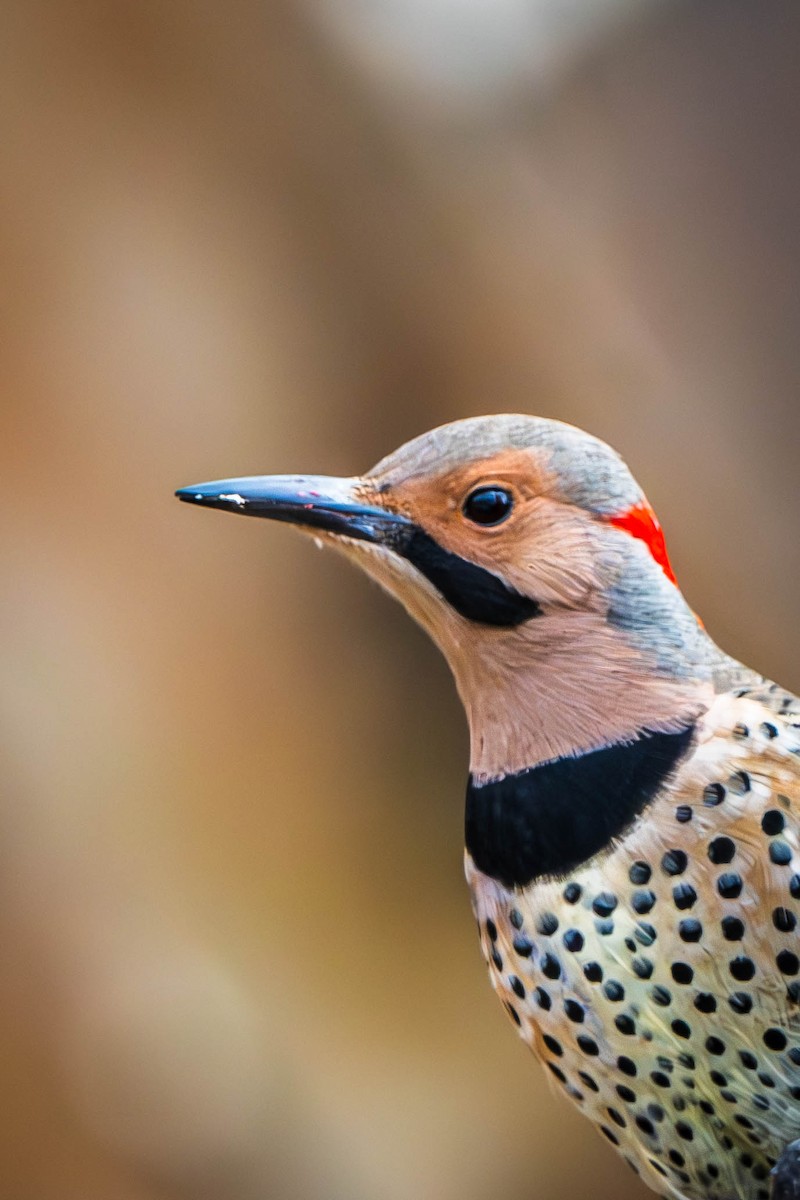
(547, 820)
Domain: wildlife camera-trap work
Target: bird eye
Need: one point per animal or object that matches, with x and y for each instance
(488, 505)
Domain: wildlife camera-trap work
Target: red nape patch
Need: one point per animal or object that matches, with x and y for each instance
(641, 522)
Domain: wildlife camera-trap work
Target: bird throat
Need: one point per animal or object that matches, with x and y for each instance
(548, 819)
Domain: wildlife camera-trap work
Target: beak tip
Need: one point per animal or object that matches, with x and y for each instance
(194, 495)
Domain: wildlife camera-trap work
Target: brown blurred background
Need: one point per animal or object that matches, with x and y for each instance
(238, 960)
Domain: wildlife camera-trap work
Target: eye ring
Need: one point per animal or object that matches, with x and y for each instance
(488, 506)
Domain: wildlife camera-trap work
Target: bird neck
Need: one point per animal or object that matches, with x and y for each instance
(569, 683)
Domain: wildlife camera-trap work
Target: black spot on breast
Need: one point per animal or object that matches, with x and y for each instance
(640, 873)
(605, 904)
(473, 592)
(684, 895)
(775, 1039)
(721, 850)
(784, 919)
(742, 968)
(551, 818)
(552, 1045)
(551, 967)
(732, 929)
(512, 1012)
(682, 972)
(674, 862)
(780, 852)
(729, 885)
(574, 1011)
(547, 924)
(772, 822)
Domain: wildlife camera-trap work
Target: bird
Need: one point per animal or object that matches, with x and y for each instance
(632, 824)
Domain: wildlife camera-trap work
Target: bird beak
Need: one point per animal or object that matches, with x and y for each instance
(320, 502)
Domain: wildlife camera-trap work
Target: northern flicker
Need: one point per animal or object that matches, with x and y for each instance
(633, 797)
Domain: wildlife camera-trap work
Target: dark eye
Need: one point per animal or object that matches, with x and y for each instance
(488, 505)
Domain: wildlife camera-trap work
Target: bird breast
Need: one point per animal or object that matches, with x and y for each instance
(659, 982)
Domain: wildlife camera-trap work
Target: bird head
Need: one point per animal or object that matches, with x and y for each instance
(529, 553)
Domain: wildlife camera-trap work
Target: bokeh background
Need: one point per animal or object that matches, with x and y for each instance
(273, 235)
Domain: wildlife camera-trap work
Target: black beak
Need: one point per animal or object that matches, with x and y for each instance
(314, 501)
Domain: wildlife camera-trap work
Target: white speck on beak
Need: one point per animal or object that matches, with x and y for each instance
(234, 498)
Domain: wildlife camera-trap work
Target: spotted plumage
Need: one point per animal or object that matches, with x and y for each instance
(659, 982)
(634, 793)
